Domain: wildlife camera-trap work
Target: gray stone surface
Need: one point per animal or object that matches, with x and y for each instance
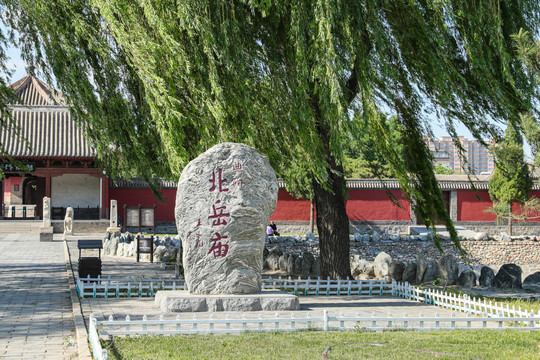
(421, 266)
(448, 270)
(183, 301)
(395, 270)
(487, 276)
(380, 265)
(481, 236)
(409, 274)
(508, 276)
(431, 273)
(467, 279)
(224, 200)
(532, 282)
(46, 233)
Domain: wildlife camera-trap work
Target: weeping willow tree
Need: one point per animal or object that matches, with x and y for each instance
(157, 82)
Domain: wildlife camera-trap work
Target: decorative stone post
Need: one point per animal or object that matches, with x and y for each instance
(113, 222)
(46, 231)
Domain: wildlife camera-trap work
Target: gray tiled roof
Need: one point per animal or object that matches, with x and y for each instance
(45, 123)
(353, 184)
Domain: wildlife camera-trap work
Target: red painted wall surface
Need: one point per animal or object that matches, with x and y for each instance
(469, 208)
(134, 197)
(373, 205)
(290, 209)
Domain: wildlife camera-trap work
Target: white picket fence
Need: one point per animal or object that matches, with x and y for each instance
(458, 302)
(207, 323)
(147, 287)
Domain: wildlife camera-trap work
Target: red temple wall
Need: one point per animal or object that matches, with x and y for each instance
(134, 197)
(374, 205)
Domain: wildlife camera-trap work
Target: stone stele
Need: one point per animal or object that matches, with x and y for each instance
(224, 200)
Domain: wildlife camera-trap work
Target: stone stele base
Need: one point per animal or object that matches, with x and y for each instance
(46, 233)
(183, 301)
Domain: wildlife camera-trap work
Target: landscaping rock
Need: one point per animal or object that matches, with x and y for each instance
(448, 270)
(508, 276)
(380, 265)
(376, 236)
(395, 270)
(487, 276)
(431, 273)
(532, 282)
(467, 279)
(481, 236)
(310, 236)
(421, 266)
(409, 273)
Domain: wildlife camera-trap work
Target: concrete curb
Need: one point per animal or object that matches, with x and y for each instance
(78, 318)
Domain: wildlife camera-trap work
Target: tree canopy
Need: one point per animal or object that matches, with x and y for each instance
(157, 82)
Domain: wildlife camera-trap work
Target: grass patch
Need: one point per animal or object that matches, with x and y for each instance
(483, 344)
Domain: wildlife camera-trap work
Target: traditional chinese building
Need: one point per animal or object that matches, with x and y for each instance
(54, 158)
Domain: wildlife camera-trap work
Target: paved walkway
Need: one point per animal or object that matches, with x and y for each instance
(36, 320)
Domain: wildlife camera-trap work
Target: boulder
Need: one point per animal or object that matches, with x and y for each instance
(360, 266)
(505, 237)
(310, 235)
(409, 273)
(481, 236)
(421, 266)
(366, 238)
(431, 273)
(316, 267)
(508, 276)
(112, 246)
(380, 265)
(376, 236)
(271, 262)
(467, 279)
(532, 282)
(223, 203)
(395, 270)
(448, 270)
(283, 262)
(487, 276)
(357, 236)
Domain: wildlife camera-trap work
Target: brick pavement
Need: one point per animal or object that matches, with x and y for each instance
(36, 319)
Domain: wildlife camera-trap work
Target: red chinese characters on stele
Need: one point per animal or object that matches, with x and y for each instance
(219, 214)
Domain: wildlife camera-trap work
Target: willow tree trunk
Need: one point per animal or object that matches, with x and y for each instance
(332, 219)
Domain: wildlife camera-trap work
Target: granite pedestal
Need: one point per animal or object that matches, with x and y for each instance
(183, 301)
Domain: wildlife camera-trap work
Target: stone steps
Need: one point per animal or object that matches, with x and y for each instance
(20, 226)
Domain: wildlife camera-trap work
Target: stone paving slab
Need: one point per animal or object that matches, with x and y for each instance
(35, 310)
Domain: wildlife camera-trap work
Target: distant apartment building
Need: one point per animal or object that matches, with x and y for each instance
(479, 158)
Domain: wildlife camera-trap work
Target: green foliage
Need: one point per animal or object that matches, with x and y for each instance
(157, 82)
(439, 169)
(511, 181)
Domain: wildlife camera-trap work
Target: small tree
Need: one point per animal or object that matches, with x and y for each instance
(511, 181)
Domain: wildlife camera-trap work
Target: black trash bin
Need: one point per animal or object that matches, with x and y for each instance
(89, 266)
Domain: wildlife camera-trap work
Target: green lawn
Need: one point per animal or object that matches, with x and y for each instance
(468, 344)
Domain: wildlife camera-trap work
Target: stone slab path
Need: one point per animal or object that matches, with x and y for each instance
(36, 319)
